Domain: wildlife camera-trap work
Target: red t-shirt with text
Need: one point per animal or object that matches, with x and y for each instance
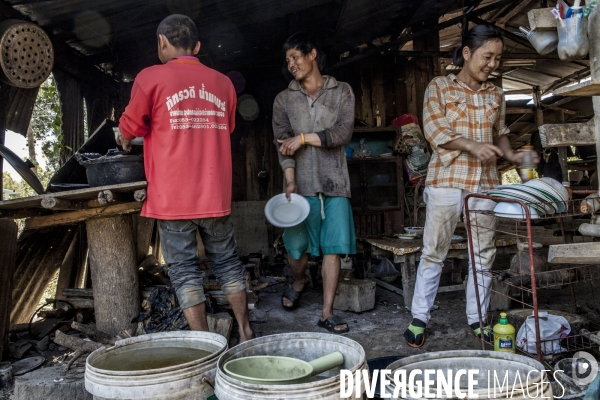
(186, 112)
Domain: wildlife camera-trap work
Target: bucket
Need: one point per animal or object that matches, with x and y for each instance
(305, 346)
(107, 373)
(531, 382)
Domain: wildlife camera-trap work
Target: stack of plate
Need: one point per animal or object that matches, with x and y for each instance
(544, 196)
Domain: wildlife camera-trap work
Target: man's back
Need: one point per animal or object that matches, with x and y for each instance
(186, 111)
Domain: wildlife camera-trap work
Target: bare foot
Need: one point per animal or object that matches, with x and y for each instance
(298, 287)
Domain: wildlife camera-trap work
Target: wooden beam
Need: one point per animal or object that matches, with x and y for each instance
(553, 135)
(408, 38)
(82, 215)
(8, 254)
(574, 253)
(517, 9)
(519, 110)
(448, 54)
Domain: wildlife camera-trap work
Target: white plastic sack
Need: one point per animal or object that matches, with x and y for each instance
(553, 328)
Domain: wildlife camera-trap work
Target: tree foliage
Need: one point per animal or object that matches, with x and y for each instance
(46, 123)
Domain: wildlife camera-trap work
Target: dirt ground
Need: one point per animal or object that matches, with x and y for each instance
(380, 331)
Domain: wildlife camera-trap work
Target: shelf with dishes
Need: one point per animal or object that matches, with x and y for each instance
(531, 270)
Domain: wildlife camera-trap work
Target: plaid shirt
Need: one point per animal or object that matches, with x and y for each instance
(453, 110)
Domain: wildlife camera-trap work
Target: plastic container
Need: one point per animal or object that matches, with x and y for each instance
(590, 204)
(527, 165)
(305, 346)
(504, 335)
(573, 42)
(190, 380)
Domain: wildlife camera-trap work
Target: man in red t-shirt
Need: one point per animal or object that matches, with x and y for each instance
(186, 112)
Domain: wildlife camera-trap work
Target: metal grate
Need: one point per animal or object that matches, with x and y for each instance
(369, 224)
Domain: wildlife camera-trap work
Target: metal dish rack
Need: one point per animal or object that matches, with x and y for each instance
(523, 289)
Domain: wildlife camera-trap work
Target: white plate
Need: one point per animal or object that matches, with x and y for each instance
(283, 213)
(529, 199)
(407, 236)
(386, 155)
(542, 195)
(549, 184)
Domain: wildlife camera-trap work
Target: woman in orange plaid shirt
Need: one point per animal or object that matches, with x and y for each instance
(463, 120)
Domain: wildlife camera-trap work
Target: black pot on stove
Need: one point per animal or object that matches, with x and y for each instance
(114, 168)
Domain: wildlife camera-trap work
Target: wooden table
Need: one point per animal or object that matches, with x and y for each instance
(406, 253)
(106, 211)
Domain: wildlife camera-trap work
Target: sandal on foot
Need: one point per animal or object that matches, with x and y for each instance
(415, 333)
(331, 322)
(292, 295)
(483, 334)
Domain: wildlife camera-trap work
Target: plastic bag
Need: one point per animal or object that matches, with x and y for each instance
(384, 266)
(553, 328)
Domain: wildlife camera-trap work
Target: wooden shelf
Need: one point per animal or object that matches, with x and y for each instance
(588, 88)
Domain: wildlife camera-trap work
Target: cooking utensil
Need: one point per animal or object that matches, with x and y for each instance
(276, 370)
(27, 55)
(114, 168)
(23, 168)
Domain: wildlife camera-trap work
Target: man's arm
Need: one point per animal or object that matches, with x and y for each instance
(135, 121)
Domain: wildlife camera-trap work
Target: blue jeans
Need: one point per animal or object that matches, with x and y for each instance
(179, 244)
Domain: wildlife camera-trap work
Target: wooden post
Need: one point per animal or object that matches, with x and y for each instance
(593, 29)
(114, 274)
(426, 68)
(562, 151)
(67, 273)
(8, 253)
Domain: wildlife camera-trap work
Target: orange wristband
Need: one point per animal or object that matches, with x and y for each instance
(302, 137)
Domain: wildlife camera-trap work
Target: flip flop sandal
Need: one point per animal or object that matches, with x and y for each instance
(331, 322)
(293, 296)
(415, 336)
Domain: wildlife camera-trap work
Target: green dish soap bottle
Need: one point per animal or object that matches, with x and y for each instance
(504, 335)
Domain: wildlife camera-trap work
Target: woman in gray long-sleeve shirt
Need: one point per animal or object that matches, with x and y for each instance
(313, 120)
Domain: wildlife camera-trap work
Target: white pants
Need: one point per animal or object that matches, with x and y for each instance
(444, 208)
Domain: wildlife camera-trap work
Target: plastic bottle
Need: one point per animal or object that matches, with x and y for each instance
(504, 335)
(590, 204)
(527, 165)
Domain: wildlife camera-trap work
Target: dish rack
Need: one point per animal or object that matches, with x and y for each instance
(523, 289)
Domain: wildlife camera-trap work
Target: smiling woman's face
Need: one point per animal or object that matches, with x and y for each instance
(483, 61)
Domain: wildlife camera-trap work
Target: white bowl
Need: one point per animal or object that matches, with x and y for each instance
(415, 229)
(283, 213)
(513, 210)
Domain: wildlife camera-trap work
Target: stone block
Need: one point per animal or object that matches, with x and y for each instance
(356, 295)
(541, 19)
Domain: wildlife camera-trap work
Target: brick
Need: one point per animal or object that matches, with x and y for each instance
(355, 295)
(541, 19)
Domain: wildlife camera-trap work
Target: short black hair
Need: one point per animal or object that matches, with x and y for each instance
(476, 37)
(179, 30)
(303, 42)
